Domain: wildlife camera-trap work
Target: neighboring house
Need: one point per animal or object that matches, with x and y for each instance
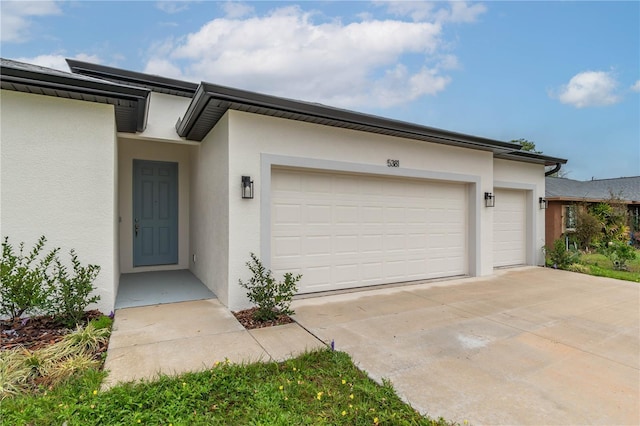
(144, 173)
(565, 195)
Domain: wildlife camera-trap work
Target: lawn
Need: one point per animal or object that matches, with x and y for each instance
(322, 387)
(602, 266)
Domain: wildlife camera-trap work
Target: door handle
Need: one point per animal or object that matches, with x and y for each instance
(137, 228)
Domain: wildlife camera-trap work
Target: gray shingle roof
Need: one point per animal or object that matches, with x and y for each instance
(626, 188)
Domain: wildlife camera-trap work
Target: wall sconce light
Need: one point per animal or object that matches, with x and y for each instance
(489, 200)
(247, 187)
(543, 203)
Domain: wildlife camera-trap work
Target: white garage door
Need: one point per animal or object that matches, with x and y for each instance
(509, 228)
(343, 231)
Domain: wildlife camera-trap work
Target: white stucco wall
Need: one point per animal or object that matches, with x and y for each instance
(164, 111)
(251, 135)
(128, 150)
(210, 210)
(58, 179)
(529, 177)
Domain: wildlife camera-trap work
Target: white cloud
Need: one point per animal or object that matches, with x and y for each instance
(636, 86)
(172, 7)
(234, 9)
(57, 61)
(459, 11)
(372, 62)
(589, 88)
(16, 18)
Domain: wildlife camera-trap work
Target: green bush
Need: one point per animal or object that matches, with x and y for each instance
(38, 283)
(613, 219)
(619, 253)
(25, 279)
(588, 229)
(72, 294)
(270, 296)
(561, 257)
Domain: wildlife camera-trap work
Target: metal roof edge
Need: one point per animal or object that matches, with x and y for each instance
(163, 84)
(35, 76)
(61, 79)
(208, 91)
(531, 157)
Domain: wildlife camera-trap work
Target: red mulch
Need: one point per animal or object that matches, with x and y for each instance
(246, 319)
(38, 332)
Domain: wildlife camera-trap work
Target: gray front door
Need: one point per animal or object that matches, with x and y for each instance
(155, 213)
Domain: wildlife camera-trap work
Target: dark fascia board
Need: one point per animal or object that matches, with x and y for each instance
(162, 84)
(561, 198)
(27, 75)
(531, 157)
(208, 91)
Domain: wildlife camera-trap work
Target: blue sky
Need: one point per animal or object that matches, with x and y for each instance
(565, 75)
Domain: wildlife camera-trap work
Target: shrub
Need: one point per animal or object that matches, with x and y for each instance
(560, 256)
(25, 279)
(270, 296)
(37, 283)
(588, 228)
(72, 293)
(613, 219)
(619, 253)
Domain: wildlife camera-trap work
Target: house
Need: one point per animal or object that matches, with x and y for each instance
(565, 195)
(145, 173)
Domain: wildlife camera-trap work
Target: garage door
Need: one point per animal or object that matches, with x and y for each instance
(344, 231)
(509, 228)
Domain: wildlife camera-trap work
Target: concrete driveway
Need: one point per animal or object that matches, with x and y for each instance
(526, 346)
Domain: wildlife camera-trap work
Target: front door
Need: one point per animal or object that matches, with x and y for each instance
(155, 213)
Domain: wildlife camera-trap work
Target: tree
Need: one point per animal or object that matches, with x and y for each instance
(526, 145)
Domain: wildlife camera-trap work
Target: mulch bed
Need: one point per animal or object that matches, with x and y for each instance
(38, 332)
(246, 319)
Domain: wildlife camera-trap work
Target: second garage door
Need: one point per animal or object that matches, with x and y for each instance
(509, 228)
(344, 231)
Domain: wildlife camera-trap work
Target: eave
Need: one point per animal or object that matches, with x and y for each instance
(211, 102)
(130, 103)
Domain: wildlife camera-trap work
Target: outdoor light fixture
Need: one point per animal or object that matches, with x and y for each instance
(489, 199)
(247, 187)
(543, 203)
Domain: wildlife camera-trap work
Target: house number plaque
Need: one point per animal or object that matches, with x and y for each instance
(393, 163)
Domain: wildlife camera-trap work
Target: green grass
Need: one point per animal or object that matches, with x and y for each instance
(601, 266)
(322, 387)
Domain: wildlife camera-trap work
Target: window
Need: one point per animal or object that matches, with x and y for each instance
(570, 218)
(634, 218)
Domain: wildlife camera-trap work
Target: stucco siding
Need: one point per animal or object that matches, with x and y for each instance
(253, 136)
(210, 211)
(128, 150)
(58, 179)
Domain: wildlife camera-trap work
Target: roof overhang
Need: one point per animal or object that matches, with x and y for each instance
(588, 200)
(130, 103)
(530, 157)
(211, 102)
(158, 84)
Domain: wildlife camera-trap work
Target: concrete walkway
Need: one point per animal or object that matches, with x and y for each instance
(190, 336)
(526, 346)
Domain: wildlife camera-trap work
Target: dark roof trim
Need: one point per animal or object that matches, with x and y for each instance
(29, 78)
(530, 157)
(588, 199)
(153, 82)
(226, 98)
